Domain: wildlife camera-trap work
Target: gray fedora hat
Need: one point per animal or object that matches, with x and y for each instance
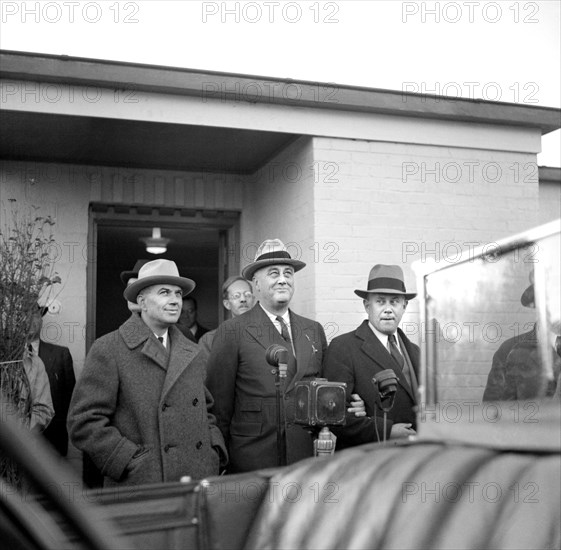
(271, 252)
(386, 279)
(158, 272)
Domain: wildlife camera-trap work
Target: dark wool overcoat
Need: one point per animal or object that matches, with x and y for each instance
(355, 358)
(60, 370)
(243, 386)
(134, 397)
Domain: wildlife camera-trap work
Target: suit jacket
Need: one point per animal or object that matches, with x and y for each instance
(58, 364)
(243, 386)
(189, 335)
(355, 358)
(134, 397)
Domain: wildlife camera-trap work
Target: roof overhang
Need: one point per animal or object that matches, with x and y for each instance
(222, 132)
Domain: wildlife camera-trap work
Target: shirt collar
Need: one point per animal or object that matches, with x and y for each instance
(383, 337)
(165, 337)
(273, 317)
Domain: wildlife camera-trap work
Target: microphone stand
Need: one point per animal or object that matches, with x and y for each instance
(280, 379)
(277, 356)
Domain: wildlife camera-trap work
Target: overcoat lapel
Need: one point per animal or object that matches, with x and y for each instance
(135, 332)
(302, 339)
(264, 332)
(180, 356)
(372, 347)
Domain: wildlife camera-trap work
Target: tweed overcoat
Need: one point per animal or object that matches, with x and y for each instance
(355, 358)
(243, 386)
(136, 397)
(60, 370)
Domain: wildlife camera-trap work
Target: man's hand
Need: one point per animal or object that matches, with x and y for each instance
(357, 406)
(402, 430)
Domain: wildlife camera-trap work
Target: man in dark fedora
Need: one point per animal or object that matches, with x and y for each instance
(140, 407)
(517, 370)
(239, 377)
(377, 345)
(128, 278)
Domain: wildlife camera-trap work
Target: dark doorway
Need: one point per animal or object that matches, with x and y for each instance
(197, 245)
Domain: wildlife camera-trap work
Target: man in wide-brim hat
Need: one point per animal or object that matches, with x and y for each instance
(139, 409)
(239, 377)
(377, 345)
(518, 368)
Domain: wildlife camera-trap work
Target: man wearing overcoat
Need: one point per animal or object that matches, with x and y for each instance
(140, 407)
(377, 345)
(239, 377)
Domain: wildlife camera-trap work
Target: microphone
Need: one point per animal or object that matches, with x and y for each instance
(277, 356)
(386, 381)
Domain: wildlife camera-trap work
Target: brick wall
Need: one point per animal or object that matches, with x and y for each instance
(279, 203)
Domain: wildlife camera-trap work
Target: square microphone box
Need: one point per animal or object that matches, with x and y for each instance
(320, 403)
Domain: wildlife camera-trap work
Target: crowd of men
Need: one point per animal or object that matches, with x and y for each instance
(162, 397)
(153, 405)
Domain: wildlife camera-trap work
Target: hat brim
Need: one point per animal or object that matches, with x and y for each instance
(131, 292)
(364, 293)
(527, 299)
(249, 271)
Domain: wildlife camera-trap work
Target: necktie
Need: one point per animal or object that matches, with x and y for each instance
(284, 330)
(30, 349)
(394, 351)
(161, 339)
(398, 358)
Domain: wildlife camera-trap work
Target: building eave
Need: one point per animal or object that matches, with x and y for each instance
(259, 89)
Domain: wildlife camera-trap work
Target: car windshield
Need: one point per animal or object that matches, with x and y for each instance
(491, 323)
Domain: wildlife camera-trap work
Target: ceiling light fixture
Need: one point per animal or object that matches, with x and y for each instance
(156, 244)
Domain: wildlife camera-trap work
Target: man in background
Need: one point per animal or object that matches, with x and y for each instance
(237, 298)
(188, 323)
(59, 368)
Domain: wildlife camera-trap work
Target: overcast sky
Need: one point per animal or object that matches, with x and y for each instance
(505, 51)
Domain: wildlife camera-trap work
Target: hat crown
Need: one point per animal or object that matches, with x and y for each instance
(382, 272)
(385, 279)
(158, 268)
(271, 248)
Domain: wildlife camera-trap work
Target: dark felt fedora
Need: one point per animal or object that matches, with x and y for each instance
(385, 279)
(158, 272)
(271, 252)
(126, 275)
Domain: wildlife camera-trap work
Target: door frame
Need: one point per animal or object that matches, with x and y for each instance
(226, 221)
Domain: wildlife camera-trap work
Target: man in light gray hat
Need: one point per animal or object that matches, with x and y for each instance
(239, 377)
(140, 407)
(377, 345)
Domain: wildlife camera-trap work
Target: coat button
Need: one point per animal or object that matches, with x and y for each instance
(199, 444)
(195, 402)
(164, 406)
(167, 448)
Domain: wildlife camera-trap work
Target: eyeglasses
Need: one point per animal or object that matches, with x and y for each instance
(247, 295)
